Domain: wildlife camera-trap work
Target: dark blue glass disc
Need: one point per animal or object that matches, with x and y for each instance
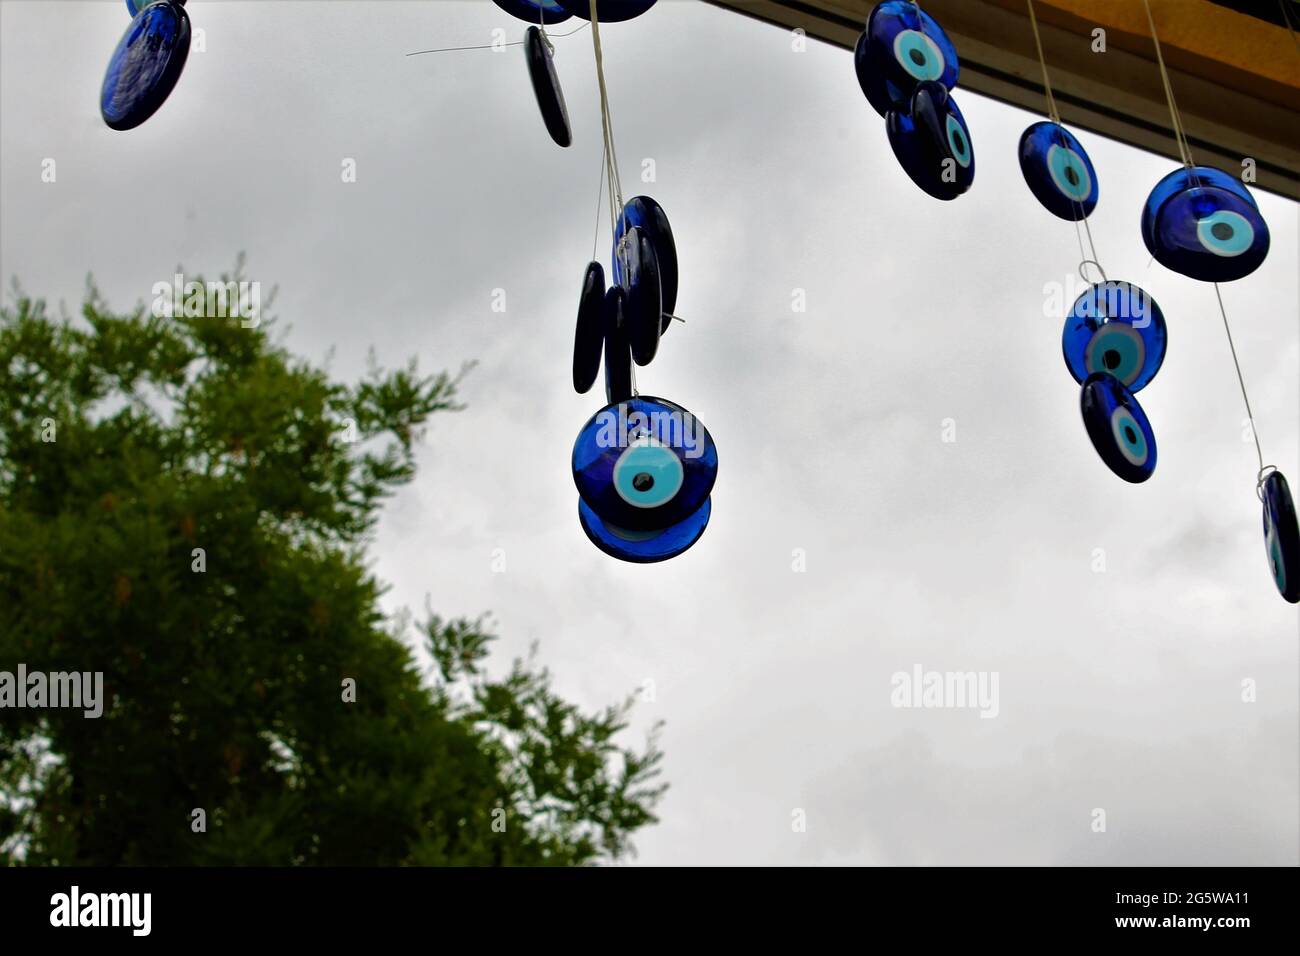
(546, 87)
(1282, 536)
(608, 11)
(644, 464)
(902, 47)
(146, 65)
(1214, 233)
(1058, 171)
(619, 380)
(644, 212)
(1180, 180)
(932, 143)
(1118, 427)
(544, 12)
(644, 547)
(639, 271)
(1115, 327)
(589, 334)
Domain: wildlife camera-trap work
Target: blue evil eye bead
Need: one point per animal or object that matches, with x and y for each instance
(1117, 328)
(644, 464)
(902, 47)
(1282, 536)
(649, 216)
(644, 547)
(146, 65)
(546, 87)
(589, 335)
(1181, 180)
(619, 380)
(607, 11)
(639, 272)
(544, 12)
(1207, 227)
(1118, 427)
(1058, 171)
(932, 143)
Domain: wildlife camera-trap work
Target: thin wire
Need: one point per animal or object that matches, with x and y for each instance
(1180, 136)
(600, 189)
(607, 128)
(1286, 18)
(1186, 152)
(1091, 245)
(493, 46)
(1042, 61)
(1055, 116)
(1254, 432)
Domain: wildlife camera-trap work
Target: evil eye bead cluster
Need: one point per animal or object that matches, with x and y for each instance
(907, 68)
(1114, 343)
(644, 467)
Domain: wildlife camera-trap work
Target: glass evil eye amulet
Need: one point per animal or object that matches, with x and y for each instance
(902, 47)
(1058, 171)
(932, 143)
(1118, 427)
(1281, 535)
(607, 11)
(541, 12)
(146, 65)
(546, 87)
(1204, 224)
(1117, 328)
(644, 469)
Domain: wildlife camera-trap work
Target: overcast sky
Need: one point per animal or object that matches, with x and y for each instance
(1119, 690)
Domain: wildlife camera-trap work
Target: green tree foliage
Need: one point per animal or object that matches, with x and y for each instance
(224, 687)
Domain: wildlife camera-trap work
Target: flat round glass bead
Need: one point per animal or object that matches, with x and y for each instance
(902, 47)
(1118, 427)
(1281, 536)
(546, 87)
(649, 216)
(608, 11)
(644, 547)
(589, 332)
(146, 65)
(1058, 171)
(932, 143)
(644, 464)
(544, 12)
(1118, 328)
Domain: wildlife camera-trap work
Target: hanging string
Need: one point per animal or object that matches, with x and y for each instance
(1055, 116)
(1250, 415)
(494, 46)
(600, 190)
(1180, 136)
(1042, 61)
(1286, 18)
(606, 122)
